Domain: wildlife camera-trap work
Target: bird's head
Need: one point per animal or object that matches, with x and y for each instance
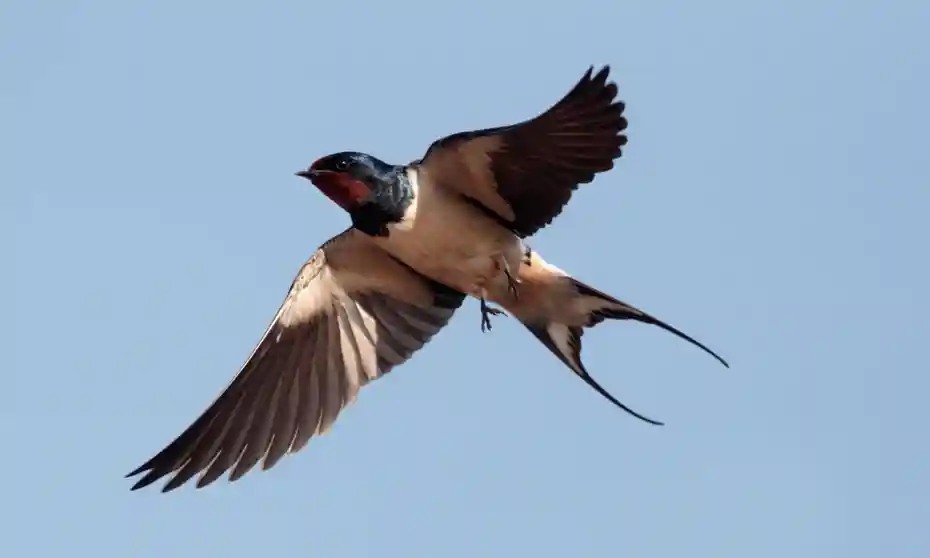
(348, 178)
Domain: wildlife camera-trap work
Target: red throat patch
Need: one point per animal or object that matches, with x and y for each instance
(346, 191)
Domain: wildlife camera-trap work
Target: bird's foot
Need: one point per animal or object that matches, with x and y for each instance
(486, 312)
(512, 282)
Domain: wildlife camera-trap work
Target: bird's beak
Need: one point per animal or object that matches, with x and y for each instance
(311, 173)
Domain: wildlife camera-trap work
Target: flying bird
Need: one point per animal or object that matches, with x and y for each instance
(424, 236)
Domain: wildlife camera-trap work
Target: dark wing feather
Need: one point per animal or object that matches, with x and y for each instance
(527, 172)
(352, 314)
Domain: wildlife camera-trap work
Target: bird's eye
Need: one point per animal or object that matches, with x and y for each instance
(342, 165)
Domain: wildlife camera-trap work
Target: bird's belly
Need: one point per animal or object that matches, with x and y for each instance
(455, 245)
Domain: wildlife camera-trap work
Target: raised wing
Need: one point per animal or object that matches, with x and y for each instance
(527, 172)
(352, 314)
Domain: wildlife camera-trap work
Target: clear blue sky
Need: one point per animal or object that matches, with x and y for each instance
(774, 202)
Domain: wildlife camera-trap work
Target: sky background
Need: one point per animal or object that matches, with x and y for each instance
(773, 201)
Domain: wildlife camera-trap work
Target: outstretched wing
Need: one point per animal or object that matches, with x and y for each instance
(527, 172)
(352, 314)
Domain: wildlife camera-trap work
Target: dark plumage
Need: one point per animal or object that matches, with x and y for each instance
(537, 164)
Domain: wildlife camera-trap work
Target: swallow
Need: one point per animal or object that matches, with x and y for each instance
(423, 237)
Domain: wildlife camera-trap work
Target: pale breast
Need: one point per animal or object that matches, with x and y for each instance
(449, 240)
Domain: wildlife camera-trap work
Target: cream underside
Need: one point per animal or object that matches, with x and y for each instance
(449, 241)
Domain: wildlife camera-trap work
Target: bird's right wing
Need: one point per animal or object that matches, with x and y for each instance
(526, 173)
(352, 314)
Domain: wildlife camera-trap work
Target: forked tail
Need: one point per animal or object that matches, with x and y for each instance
(586, 307)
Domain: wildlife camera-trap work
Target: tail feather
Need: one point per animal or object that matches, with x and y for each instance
(587, 307)
(565, 343)
(612, 308)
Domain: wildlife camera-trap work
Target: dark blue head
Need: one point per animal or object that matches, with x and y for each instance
(373, 192)
(349, 178)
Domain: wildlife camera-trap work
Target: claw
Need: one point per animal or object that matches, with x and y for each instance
(486, 312)
(512, 282)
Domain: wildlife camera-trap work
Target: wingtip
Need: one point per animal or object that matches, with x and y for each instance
(136, 471)
(596, 84)
(175, 483)
(147, 479)
(141, 483)
(601, 75)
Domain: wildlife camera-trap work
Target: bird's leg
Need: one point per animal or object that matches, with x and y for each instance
(497, 264)
(487, 311)
(512, 281)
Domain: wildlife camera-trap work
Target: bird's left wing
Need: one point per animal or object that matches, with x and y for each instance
(524, 174)
(351, 315)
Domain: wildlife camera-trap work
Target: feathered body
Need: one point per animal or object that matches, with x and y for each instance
(423, 237)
